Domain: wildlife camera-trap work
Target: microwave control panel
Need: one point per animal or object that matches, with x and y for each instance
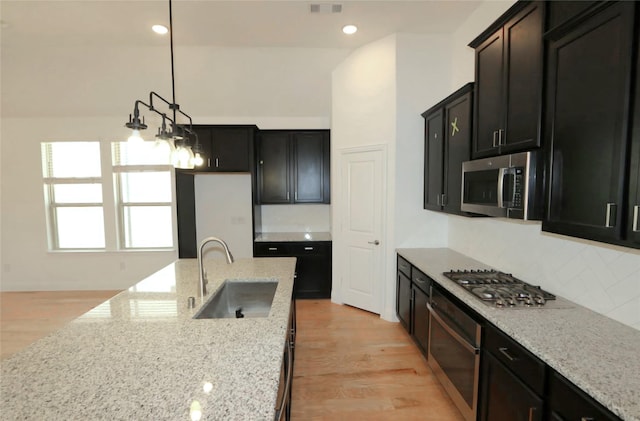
(518, 188)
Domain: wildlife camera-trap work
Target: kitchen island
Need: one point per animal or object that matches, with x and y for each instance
(142, 356)
(596, 353)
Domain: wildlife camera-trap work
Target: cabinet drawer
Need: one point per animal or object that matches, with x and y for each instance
(521, 362)
(404, 266)
(421, 280)
(271, 249)
(568, 402)
(315, 248)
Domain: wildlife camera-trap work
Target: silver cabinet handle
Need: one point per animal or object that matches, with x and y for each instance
(636, 215)
(505, 352)
(217, 162)
(208, 162)
(438, 200)
(443, 200)
(420, 280)
(308, 248)
(610, 220)
(375, 242)
(273, 248)
(287, 195)
(295, 195)
(500, 137)
(495, 135)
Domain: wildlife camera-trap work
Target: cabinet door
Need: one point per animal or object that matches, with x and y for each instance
(273, 167)
(313, 270)
(186, 214)
(308, 175)
(523, 80)
(633, 210)
(567, 402)
(433, 160)
(420, 320)
(505, 398)
(488, 100)
(589, 74)
(403, 301)
(231, 149)
(457, 150)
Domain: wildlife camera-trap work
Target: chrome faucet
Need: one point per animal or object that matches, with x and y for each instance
(203, 274)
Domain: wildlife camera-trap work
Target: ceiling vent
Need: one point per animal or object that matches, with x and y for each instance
(325, 8)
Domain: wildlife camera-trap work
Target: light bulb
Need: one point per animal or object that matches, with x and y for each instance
(349, 29)
(197, 160)
(160, 29)
(135, 136)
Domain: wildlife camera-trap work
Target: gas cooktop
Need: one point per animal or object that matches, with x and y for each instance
(499, 289)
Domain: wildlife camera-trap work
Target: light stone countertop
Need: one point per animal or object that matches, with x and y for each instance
(292, 236)
(141, 356)
(596, 353)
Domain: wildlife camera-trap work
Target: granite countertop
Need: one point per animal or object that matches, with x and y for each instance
(141, 356)
(292, 236)
(598, 354)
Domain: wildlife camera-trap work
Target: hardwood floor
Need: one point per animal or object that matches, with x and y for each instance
(350, 364)
(26, 317)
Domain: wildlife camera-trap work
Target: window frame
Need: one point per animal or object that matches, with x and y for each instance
(49, 181)
(121, 204)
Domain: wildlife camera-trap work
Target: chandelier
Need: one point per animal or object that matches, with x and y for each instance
(180, 137)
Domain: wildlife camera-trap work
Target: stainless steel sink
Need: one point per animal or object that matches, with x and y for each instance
(238, 299)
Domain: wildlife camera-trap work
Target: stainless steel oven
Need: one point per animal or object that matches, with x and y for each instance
(454, 352)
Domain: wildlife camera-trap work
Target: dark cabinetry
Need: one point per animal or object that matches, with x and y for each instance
(226, 148)
(313, 267)
(567, 402)
(413, 289)
(186, 214)
(447, 145)
(512, 380)
(293, 166)
(586, 126)
(508, 90)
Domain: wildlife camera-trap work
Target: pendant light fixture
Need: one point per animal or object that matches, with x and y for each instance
(180, 137)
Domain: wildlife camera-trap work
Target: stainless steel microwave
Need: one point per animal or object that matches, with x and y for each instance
(508, 186)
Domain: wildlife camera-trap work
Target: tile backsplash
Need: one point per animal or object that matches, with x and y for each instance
(601, 277)
(296, 218)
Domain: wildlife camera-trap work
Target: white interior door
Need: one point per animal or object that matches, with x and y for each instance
(362, 185)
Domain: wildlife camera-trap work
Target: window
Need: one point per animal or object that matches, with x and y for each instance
(144, 193)
(124, 203)
(73, 191)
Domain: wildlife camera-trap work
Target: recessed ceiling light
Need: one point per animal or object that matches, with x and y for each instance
(349, 29)
(160, 29)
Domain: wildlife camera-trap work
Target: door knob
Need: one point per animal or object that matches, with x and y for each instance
(375, 243)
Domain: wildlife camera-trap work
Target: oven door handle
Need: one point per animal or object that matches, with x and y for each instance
(452, 332)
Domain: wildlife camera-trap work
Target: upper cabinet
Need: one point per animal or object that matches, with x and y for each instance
(508, 89)
(447, 144)
(293, 166)
(226, 148)
(588, 106)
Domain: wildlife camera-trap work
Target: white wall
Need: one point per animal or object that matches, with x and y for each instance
(296, 218)
(601, 277)
(82, 93)
(223, 210)
(26, 262)
(364, 113)
(379, 92)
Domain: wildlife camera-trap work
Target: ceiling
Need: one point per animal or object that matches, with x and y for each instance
(238, 23)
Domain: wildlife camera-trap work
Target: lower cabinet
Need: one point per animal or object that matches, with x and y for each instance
(567, 402)
(505, 397)
(283, 405)
(411, 303)
(313, 267)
